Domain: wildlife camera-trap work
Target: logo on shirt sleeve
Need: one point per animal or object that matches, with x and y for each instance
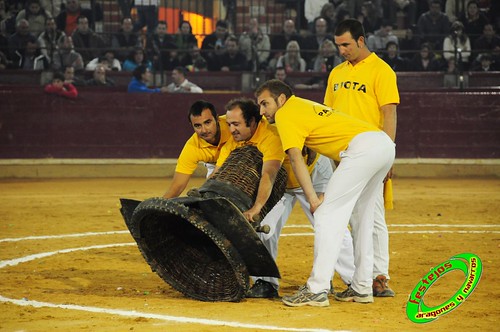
(323, 110)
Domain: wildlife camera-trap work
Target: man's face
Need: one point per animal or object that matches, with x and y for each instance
(231, 47)
(348, 47)
(237, 125)
(289, 27)
(72, 5)
(206, 126)
(57, 83)
(320, 27)
(127, 25)
(268, 105)
(83, 24)
(161, 29)
(177, 77)
(435, 9)
(50, 25)
(220, 32)
(100, 73)
(280, 75)
(69, 73)
(146, 77)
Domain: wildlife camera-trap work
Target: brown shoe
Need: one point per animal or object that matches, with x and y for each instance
(381, 287)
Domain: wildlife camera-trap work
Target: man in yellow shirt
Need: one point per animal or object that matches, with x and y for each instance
(248, 127)
(210, 134)
(364, 86)
(364, 153)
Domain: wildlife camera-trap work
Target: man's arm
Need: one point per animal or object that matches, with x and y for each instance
(390, 120)
(270, 169)
(302, 174)
(390, 124)
(179, 183)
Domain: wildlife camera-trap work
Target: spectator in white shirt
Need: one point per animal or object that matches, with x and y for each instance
(180, 83)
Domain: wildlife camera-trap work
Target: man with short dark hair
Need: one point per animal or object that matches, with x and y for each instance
(180, 83)
(210, 134)
(86, 41)
(141, 79)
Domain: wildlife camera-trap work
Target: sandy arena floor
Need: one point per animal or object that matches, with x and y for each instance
(68, 263)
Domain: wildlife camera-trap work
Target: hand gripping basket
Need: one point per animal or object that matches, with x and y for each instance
(202, 245)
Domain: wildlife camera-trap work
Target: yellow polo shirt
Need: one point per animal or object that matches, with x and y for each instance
(325, 130)
(265, 138)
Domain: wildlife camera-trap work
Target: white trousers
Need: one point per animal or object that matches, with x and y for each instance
(278, 216)
(350, 197)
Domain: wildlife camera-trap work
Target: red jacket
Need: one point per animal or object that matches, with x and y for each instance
(68, 90)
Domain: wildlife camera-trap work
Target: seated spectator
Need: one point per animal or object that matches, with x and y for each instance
(454, 9)
(140, 81)
(35, 15)
(107, 59)
(18, 41)
(214, 44)
(312, 43)
(328, 13)
(180, 83)
(231, 59)
(184, 41)
(408, 7)
(377, 42)
(457, 45)
(147, 15)
(8, 16)
(410, 43)
(292, 61)
(392, 58)
(473, 21)
(66, 56)
(312, 10)
(60, 88)
(67, 19)
(69, 77)
(485, 63)
(425, 60)
(50, 38)
(53, 7)
(433, 25)
(136, 58)
(125, 40)
(99, 77)
(161, 48)
(488, 42)
(255, 45)
(194, 61)
(87, 42)
(31, 59)
(326, 59)
(280, 74)
(369, 16)
(279, 41)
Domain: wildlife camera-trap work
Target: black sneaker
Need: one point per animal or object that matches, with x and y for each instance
(262, 290)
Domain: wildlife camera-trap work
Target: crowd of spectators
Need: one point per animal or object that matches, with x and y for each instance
(54, 35)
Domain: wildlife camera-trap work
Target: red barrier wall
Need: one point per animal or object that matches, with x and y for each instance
(114, 124)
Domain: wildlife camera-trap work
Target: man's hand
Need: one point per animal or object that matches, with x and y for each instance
(313, 205)
(251, 213)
